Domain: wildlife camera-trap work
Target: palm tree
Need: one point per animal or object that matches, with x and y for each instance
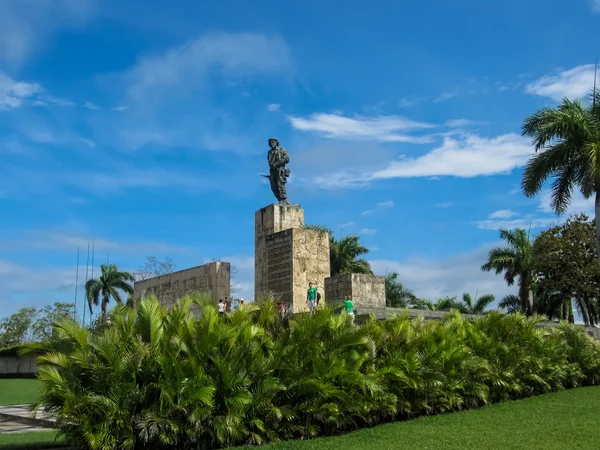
(108, 285)
(567, 145)
(396, 295)
(516, 262)
(344, 253)
(511, 303)
(479, 305)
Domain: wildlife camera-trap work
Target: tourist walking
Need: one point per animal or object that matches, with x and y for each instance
(311, 298)
(349, 307)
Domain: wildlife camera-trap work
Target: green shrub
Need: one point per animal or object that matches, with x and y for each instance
(157, 379)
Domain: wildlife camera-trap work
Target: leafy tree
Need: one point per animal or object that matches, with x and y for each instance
(109, 285)
(565, 264)
(515, 260)
(42, 327)
(567, 145)
(396, 295)
(344, 254)
(15, 329)
(478, 306)
(511, 303)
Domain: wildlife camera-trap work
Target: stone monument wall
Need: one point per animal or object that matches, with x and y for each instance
(287, 256)
(267, 221)
(213, 278)
(367, 291)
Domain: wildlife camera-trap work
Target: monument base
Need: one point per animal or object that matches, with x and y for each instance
(367, 291)
(288, 256)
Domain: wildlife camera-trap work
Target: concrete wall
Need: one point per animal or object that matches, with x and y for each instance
(18, 365)
(214, 278)
(367, 291)
(310, 264)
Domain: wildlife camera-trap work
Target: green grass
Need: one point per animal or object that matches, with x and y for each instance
(558, 421)
(33, 440)
(17, 391)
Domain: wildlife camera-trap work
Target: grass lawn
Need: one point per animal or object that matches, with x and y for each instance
(564, 420)
(34, 440)
(17, 391)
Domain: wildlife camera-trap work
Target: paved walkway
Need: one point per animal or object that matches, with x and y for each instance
(18, 419)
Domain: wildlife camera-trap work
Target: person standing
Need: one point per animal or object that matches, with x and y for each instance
(311, 298)
(349, 307)
(227, 305)
(221, 308)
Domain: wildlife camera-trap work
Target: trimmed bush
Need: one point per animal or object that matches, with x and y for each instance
(157, 379)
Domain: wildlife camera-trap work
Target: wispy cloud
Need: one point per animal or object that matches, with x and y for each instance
(273, 107)
(186, 66)
(573, 83)
(386, 204)
(91, 106)
(369, 231)
(24, 24)
(443, 205)
(120, 108)
(378, 128)
(444, 96)
(595, 5)
(503, 214)
(14, 93)
(458, 123)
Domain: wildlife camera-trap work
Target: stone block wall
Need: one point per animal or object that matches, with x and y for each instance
(367, 291)
(267, 221)
(18, 365)
(214, 278)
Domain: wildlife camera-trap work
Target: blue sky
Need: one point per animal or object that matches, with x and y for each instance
(145, 128)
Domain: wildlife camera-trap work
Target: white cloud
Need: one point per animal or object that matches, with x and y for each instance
(273, 107)
(378, 128)
(369, 231)
(525, 223)
(503, 214)
(25, 25)
(386, 204)
(435, 278)
(573, 83)
(13, 93)
(458, 123)
(595, 5)
(443, 205)
(120, 108)
(470, 157)
(186, 66)
(91, 106)
(444, 96)
(367, 212)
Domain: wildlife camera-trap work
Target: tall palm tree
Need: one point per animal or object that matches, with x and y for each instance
(344, 254)
(511, 303)
(109, 284)
(479, 305)
(396, 295)
(567, 146)
(516, 262)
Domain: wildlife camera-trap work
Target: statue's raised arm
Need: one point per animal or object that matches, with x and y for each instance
(278, 173)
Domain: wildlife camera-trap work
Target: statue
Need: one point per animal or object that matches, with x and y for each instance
(278, 173)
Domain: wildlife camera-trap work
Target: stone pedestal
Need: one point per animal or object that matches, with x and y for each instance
(367, 291)
(287, 257)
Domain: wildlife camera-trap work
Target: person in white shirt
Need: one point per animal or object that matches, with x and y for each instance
(221, 307)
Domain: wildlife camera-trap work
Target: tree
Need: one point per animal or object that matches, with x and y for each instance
(478, 306)
(110, 283)
(344, 254)
(153, 267)
(15, 329)
(565, 264)
(396, 295)
(42, 327)
(567, 146)
(515, 261)
(511, 303)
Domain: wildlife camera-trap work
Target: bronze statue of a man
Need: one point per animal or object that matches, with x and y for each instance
(278, 173)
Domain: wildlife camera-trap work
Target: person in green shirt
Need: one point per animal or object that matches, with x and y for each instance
(311, 298)
(349, 307)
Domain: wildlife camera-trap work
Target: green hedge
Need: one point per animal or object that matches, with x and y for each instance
(158, 379)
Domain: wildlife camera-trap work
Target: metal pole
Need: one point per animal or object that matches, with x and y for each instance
(87, 266)
(76, 285)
